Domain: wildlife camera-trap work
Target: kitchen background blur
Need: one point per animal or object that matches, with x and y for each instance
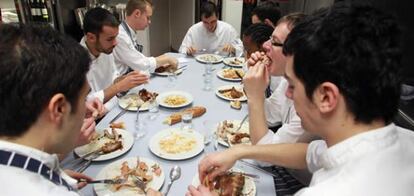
(172, 18)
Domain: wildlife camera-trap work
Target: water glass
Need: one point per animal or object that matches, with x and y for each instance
(172, 79)
(208, 80)
(140, 127)
(186, 121)
(207, 131)
(153, 110)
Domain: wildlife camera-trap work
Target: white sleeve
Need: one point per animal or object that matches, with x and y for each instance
(98, 94)
(235, 41)
(291, 132)
(273, 109)
(187, 42)
(126, 54)
(313, 154)
(266, 139)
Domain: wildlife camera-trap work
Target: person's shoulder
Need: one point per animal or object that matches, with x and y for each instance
(225, 25)
(196, 26)
(405, 133)
(14, 179)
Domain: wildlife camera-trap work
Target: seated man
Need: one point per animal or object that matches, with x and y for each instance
(268, 13)
(128, 53)
(211, 35)
(42, 105)
(101, 29)
(328, 59)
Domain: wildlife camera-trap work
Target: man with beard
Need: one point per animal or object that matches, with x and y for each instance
(101, 29)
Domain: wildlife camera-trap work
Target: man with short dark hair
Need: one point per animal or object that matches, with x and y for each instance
(211, 35)
(42, 105)
(101, 30)
(128, 53)
(342, 68)
(268, 13)
(254, 37)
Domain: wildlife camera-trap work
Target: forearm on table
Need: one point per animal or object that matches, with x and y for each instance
(257, 120)
(286, 155)
(111, 91)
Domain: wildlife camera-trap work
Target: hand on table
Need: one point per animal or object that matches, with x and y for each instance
(229, 49)
(191, 51)
(131, 80)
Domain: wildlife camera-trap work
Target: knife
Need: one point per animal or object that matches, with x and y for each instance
(120, 113)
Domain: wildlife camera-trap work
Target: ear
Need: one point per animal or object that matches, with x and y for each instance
(137, 13)
(326, 97)
(57, 108)
(268, 22)
(91, 37)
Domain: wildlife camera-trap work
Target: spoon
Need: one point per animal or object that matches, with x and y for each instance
(175, 174)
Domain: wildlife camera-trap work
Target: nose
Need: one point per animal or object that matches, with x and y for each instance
(266, 45)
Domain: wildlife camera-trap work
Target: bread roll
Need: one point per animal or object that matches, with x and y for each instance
(176, 117)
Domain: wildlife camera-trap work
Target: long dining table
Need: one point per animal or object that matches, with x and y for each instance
(191, 81)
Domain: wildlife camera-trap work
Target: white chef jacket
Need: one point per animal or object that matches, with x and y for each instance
(127, 56)
(280, 109)
(379, 162)
(17, 181)
(199, 37)
(101, 74)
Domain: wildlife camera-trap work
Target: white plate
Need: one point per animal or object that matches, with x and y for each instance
(220, 75)
(230, 61)
(204, 58)
(127, 142)
(154, 144)
(125, 100)
(236, 123)
(165, 73)
(112, 170)
(238, 87)
(161, 99)
(249, 188)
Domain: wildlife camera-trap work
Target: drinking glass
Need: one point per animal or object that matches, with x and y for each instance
(140, 127)
(153, 110)
(186, 121)
(208, 76)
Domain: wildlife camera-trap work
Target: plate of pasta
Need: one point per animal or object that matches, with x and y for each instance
(176, 144)
(174, 99)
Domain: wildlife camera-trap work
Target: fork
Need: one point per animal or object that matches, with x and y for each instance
(241, 123)
(86, 165)
(104, 181)
(140, 184)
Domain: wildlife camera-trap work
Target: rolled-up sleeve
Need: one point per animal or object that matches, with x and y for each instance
(127, 56)
(313, 154)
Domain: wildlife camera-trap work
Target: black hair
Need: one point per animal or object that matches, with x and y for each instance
(208, 9)
(267, 10)
(259, 33)
(357, 48)
(96, 18)
(36, 63)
